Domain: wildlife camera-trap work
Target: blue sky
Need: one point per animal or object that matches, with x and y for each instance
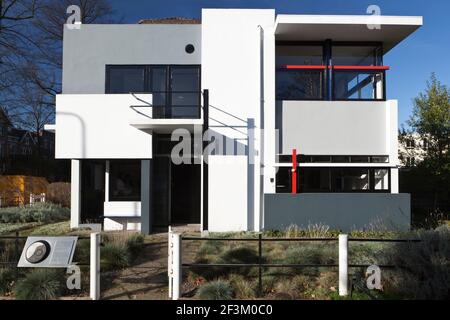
(412, 62)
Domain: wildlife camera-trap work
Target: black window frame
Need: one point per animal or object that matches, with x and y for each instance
(167, 113)
(331, 188)
(378, 61)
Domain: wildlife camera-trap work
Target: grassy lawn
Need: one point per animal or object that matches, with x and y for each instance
(11, 228)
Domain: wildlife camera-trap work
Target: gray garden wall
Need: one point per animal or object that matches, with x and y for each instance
(340, 211)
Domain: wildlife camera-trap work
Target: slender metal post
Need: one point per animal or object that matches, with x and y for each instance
(343, 265)
(294, 172)
(95, 266)
(205, 160)
(260, 262)
(17, 255)
(176, 263)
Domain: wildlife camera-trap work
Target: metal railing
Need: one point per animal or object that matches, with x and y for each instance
(176, 265)
(341, 83)
(172, 104)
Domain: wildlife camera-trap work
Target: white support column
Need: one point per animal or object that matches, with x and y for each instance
(107, 166)
(75, 191)
(394, 181)
(176, 266)
(95, 266)
(343, 265)
(169, 262)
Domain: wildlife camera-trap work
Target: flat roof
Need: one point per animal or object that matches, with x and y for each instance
(392, 29)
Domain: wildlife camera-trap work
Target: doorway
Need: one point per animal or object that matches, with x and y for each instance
(175, 188)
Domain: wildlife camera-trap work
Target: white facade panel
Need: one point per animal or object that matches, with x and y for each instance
(98, 127)
(237, 68)
(122, 209)
(228, 194)
(337, 127)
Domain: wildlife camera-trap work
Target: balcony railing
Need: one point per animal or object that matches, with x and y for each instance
(307, 82)
(176, 104)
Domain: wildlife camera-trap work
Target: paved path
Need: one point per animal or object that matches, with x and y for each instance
(147, 278)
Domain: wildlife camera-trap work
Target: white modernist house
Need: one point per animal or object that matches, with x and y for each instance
(287, 115)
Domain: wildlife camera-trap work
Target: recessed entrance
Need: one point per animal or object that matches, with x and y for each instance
(175, 188)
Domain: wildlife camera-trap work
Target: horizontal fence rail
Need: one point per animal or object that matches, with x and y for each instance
(260, 264)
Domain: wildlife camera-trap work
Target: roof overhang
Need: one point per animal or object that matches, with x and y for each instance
(389, 30)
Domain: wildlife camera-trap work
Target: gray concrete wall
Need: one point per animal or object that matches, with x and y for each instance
(340, 211)
(334, 127)
(88, 50)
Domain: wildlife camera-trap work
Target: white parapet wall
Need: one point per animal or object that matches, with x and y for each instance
(97, 126)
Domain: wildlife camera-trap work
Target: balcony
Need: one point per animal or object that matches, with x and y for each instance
(169, 111)
(339, 83)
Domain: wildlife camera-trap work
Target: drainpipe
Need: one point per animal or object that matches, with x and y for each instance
(294, 171)
(329, 74)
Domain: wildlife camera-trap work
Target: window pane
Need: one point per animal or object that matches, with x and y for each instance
(381, 179)
(357, 85)
(185, 79)
(126, 79)
(125, 181)
(283, 184)
(158, 80)
(299, 84)
(356, 55)
(353, 179)
(299, 55)
(185, 99)
(314, 180)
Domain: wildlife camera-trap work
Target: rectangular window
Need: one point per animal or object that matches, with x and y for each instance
(185, 91)
(125, 79)
(299, 55)
(358, 85)
(339, 180)
(176, 90)
(125, 180)
(356, 55)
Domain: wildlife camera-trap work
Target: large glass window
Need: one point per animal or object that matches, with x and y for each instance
(299, 84)
(334, 180)
(358, 85)
(125, 79)
(185, 91)
(299, 55)
(125, 180)
(343, 55)
(175, 89)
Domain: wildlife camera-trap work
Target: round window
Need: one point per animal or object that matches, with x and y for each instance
(190, 48)
(37, 252)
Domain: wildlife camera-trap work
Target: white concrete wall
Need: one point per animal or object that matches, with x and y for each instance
(234, 60)
(228, 200)
(338, 127)
(98, 127)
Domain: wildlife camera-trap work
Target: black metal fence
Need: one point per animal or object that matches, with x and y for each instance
(260, 265)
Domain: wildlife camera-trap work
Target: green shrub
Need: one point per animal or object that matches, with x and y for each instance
(39, 284)
(215, 290)
(82, 251)
(309, 254)
(7, 278)
(135, 243)
(426, 266)
(243, 289)
(114, 256)
(39, 212)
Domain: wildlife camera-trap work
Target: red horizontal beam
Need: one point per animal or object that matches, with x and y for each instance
(361, 67)
(307, 67)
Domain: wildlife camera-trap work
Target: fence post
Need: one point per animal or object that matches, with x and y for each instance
(169, 261)
(17, 255)
(260, 262)
(95, 266)
(176, 266)
(343, 265)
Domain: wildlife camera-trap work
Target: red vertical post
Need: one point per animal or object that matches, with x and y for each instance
(294, 171)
